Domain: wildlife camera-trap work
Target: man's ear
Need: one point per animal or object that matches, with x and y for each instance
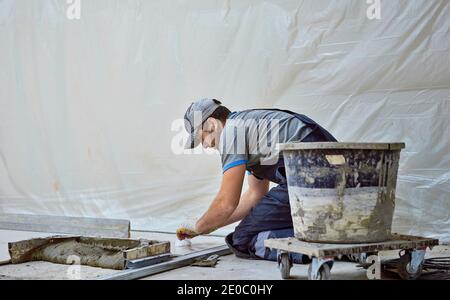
(211, 124)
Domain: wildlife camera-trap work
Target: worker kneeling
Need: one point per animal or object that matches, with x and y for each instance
(247, 141)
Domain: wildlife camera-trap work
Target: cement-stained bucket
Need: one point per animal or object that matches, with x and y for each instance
(342, 192)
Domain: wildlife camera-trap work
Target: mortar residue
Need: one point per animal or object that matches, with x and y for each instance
(70, 251)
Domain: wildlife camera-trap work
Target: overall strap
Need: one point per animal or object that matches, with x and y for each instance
(318, 134)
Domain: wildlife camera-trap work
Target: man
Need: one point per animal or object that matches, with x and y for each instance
(247, 141)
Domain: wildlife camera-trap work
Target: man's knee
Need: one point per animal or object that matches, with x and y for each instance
(241, 238)
(259, 250)
(258, 242)
(271, 214)
(239, 247)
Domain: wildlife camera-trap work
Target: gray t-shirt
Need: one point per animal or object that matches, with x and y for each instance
(250, 137)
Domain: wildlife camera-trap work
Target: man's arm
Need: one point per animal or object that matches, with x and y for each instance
(256, 190)
(225, 203)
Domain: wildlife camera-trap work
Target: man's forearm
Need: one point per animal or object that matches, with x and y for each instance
(225, 202)
(216, 217)
(248, 201)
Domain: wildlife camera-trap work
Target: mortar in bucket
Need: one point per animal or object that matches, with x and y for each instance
(342, 192)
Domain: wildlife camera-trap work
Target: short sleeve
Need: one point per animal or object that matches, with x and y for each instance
(233, 146)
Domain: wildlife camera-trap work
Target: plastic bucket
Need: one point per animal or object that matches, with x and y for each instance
(342, 192)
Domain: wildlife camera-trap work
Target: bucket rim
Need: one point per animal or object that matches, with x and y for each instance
(335, 145)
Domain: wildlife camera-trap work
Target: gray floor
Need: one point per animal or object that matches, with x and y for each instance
(45, 270)
(232, 268)
(228, 268)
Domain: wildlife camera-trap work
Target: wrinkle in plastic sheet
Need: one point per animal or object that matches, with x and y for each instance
(87, 105)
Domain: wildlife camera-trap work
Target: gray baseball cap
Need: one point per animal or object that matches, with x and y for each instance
(197, 113)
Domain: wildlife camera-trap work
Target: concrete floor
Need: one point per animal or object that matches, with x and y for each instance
(229, 267)
(41, 270)
(232, 268)
(50, 271)
(197, 244)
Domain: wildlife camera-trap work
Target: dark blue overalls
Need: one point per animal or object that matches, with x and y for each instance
(271, 217)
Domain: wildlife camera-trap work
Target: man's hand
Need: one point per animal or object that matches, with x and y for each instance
(186, 233)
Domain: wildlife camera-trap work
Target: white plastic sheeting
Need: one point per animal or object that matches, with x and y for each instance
(87, 105)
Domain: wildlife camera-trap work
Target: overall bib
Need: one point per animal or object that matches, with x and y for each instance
(271, 217)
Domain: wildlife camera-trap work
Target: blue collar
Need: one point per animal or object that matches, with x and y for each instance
(232, 114)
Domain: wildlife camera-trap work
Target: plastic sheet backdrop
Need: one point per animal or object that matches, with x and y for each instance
(88, 97)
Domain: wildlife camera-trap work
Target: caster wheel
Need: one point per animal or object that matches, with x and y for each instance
(285, 264)
(323, 274)
(405, 269)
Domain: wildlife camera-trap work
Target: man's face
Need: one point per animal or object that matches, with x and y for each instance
(211, 133)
